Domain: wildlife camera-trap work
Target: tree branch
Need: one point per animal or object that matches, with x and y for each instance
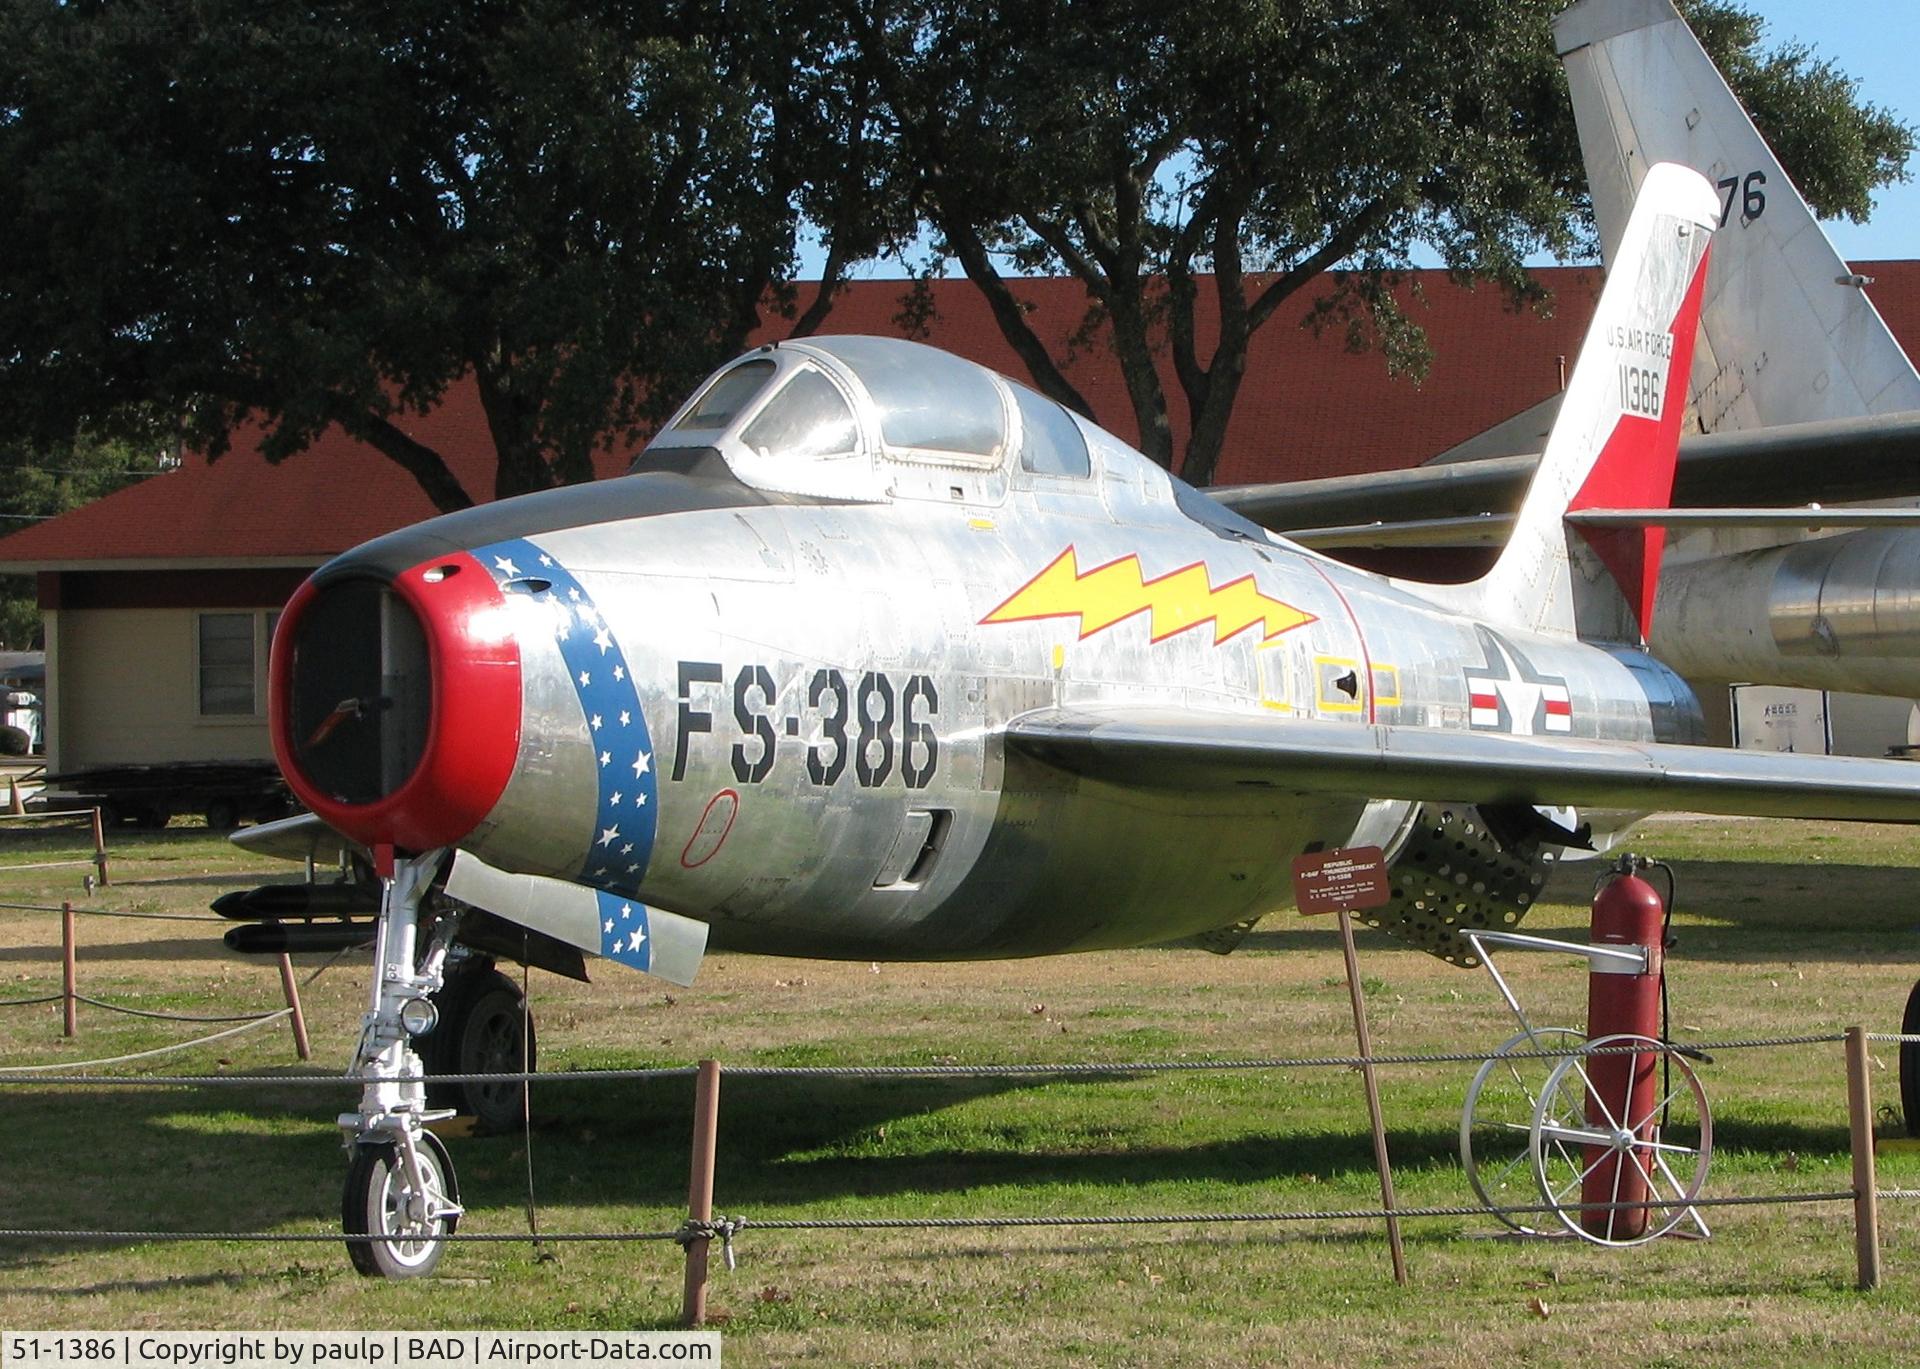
(428, 469)
(1336, 247)
(1012, 318)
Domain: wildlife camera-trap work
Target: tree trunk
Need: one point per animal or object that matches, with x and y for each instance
(428, 469)
(520, 460)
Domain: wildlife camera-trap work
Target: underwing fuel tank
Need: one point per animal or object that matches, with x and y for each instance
(1839, 613)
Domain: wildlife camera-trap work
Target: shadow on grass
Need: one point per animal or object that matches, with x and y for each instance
(269, 1158)
(1752, 911)
(172, 949)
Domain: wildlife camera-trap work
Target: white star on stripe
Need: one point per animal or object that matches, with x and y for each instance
(546, 560)
(602, 640)
(619, 673)
(642, 762)
(606, 758)
(608, 836)
(615, 800)
(595, 724)
(625, 717)
(634, 940)
(585, 679)
(607, 926)
(505, 566)
(626, 910)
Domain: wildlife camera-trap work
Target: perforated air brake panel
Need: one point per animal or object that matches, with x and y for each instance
(1454, 876)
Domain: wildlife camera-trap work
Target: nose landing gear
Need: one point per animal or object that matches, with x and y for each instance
(400, 1186)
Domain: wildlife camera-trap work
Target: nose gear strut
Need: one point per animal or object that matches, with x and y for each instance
(401, 1195)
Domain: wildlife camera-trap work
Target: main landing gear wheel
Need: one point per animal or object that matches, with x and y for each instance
(382, 1201)
(1496, 1126)
(1664, 1148)
(1910, 1064)
(482, 1020)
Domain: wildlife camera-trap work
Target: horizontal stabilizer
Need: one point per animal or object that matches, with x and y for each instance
(1194, 752)
(1875, 457)
(623, 929)
(1813, 519)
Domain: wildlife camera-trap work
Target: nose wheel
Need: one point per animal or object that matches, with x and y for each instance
(403, 1195)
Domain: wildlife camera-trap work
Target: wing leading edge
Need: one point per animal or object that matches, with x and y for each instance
(1165, 749)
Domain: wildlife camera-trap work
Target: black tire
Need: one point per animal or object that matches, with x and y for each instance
(479, 1032)
(373, 1201)
(223, 815)
(1910, 1064)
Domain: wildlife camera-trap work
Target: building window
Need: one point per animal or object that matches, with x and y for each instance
(226, 665)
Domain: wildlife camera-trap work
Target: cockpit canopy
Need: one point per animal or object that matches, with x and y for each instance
(871, 417)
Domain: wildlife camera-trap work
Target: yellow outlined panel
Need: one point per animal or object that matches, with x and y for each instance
(1273, 668)
(1386, 685)
(1328, 697)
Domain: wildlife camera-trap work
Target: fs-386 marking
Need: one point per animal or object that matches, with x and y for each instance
(872, 725)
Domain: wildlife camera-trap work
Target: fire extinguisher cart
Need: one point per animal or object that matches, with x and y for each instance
(1604, 1133)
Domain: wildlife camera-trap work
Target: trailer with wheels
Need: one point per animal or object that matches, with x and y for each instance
(225, 793)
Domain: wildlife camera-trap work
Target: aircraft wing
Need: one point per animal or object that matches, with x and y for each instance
(1465, 502)
(300, 837)
(1173, 749)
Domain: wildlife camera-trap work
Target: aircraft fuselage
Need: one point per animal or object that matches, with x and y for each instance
(783, 718)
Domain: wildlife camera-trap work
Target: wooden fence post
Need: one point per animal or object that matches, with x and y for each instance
(706, 1127)
(100, 848)
(68, 1005)
(298, 1018)
(1866, 1182)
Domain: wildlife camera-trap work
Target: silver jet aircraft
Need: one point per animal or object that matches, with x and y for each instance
(878, 654)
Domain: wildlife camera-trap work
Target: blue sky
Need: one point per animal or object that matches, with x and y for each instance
(1877, 42)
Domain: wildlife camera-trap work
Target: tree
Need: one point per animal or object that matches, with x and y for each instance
(35, 485)
(1200, 169)
(327, 213)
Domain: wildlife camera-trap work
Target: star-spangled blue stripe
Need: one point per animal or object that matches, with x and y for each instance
(624, 823)
(625, 933)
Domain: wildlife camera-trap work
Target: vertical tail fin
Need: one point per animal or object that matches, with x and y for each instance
(1644, 92)
(1615, 441)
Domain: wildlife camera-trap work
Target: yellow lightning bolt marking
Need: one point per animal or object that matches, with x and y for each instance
(1175, 602)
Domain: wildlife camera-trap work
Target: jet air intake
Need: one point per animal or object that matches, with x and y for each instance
(395, 701)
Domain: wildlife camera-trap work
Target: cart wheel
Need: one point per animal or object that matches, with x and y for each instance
(1666, 1146)
(379, 1201)
(223, 815)
(1496, 1125)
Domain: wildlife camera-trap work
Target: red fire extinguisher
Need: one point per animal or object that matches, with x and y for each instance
(1627, 912)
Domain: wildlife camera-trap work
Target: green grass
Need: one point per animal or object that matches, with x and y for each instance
(1784, 928)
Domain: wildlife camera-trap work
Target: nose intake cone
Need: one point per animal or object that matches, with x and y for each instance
(395, 701)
